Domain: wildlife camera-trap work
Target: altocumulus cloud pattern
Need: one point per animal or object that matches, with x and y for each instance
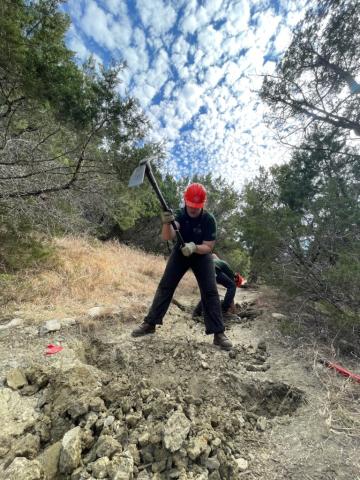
(196, 67)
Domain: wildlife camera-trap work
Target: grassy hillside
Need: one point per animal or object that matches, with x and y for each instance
(82, 273)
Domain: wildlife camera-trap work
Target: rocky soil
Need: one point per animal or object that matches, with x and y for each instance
(170, 405)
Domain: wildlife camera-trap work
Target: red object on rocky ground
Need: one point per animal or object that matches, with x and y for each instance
(51, 349)
(343, 371)
(239, 280)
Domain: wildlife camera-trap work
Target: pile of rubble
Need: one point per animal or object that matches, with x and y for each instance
(110, 420)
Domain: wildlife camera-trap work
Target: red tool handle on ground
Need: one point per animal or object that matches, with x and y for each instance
(343, 371)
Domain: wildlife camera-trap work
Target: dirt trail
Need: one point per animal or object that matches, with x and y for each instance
(170, 405)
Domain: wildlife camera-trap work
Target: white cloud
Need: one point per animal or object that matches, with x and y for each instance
(77, 45)
(213, 75)
(210, 39)
(238, 16)
(157, 15)
(117, 7)
(96, 24)
(283, 39)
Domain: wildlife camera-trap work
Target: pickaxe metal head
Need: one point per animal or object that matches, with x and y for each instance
(137, 177)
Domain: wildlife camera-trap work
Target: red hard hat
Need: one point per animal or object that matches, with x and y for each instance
(195, 195)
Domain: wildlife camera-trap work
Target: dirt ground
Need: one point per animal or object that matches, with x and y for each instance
(171, 405)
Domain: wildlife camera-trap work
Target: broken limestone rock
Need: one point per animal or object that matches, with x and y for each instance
(242, 464)
(70, 455)
(106, 446)
(27, 446)
(99, 468)
(50, 326)
(22, 468)
(121, 467)
(176, 430)
(15, 322)
(212, 463)
(16, 379)
(197, 446)
(261, 423)
(19, 413)
(49, 459)
(99, 312)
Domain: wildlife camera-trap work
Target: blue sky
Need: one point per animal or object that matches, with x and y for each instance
(195, 67)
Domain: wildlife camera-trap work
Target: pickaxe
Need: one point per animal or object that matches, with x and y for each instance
(137, 178)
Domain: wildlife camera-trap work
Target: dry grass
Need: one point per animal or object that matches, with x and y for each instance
(87, 272)
(340, 407)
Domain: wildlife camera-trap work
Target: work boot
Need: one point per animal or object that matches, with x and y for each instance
(143, 329)
(222, 341)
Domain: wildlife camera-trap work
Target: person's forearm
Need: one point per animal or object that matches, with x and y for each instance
(203, 249)
(168, 233)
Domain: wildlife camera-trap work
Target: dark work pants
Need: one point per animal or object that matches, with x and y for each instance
(229, 284)
(203, 269)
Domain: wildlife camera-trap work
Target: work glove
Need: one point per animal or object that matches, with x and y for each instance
(167, 217)
(188, 249)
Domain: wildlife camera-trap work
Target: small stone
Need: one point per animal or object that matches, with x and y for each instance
(100, 312)
(197, 446)
(87, 439)
(27, 446)
(49, 460)
(22, 468)
(215, 475)
(205, 365)
(53, 325)
(262, 346)
(232, 354)
(68, 321)
(79, 474)
(279, 316)
(99, 468)
(79, 408)
(254, 368)
(212, 463)
(159, 466)
(132, 419)
(97, 404)
(15, 322)
(134, 452)
(121, 467)
(70, 455)
(176, 430)
(242, 464)
(261, 424)
(106, 446)
(16, 379)
(91, 419)
(144, 439)
(29, 390)
(216, 442)
(143, 475)
(109, 421)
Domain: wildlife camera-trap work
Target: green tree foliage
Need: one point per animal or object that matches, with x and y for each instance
(68, 140)
(301, 223)
(312, 217)
(317, 80)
